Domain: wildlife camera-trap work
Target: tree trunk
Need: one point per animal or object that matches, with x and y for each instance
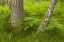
(16, 11)
(47, 16)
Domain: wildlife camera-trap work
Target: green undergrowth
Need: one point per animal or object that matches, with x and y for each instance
(27, 28)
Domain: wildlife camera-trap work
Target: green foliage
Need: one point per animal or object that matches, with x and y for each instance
(4, 13)
(27, 27)
(28, 24)
(35, 10)
(3, 2)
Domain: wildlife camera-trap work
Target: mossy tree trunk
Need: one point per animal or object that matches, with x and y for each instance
(48, 15)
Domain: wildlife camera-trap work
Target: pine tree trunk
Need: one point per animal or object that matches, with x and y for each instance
(47, 16)
(16, 11)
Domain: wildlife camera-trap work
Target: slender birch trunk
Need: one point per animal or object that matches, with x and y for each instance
(48, 15)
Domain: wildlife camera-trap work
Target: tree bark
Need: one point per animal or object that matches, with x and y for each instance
(16, 11)
(48, 15)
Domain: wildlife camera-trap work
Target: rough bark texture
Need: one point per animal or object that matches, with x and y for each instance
(47, 15)
(16, 11)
